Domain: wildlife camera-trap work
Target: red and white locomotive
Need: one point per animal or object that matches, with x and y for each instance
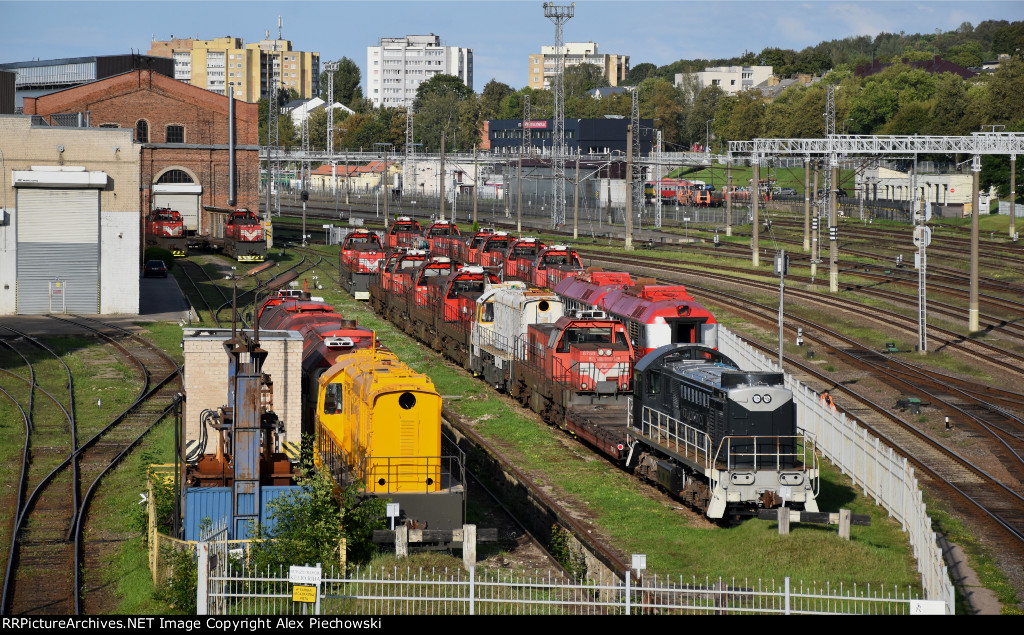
(362, 253)
(165, 229)
(244, 238)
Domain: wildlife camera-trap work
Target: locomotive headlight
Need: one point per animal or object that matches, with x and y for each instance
(767, 398)
(757, 398)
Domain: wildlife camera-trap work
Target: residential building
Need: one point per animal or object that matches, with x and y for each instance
(731, 79)
(301, 109)
(42, 77)
(544, 67)
(227, 63)
(396, 67)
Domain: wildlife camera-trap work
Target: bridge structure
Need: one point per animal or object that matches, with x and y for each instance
(832, 147)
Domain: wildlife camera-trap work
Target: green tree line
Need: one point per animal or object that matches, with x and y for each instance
(898, 100)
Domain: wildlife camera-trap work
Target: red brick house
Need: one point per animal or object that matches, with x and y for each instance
(184, 132)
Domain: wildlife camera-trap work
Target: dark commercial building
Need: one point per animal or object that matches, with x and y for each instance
(42, 77)
(582, 136)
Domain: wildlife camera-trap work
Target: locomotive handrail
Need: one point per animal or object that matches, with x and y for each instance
(762, 457)
(671, 433)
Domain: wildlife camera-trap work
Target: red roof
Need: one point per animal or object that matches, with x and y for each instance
(373, 167)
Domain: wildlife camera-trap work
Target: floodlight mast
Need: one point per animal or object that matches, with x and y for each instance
(559, 14)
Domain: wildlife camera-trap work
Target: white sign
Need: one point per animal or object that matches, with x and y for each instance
(304, 575)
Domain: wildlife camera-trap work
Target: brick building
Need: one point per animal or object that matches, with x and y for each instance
(183, 131)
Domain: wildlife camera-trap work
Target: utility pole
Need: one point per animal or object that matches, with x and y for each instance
(628, 221)
(833, 229)
(730, 194)
(972, 309)
(755, 199)
(576, 200)
(476, 180)
(442, 177)
(807, 203)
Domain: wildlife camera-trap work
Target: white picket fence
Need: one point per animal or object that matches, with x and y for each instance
(876, 468)
(227, 590)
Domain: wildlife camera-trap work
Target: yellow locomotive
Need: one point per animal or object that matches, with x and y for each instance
(378, 422)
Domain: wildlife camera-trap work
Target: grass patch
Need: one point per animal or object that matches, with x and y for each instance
(877, 554)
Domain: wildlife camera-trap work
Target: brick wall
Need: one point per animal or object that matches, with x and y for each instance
(162, 101)
(206, 378)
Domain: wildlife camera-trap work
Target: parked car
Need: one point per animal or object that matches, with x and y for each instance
(786, 191)
(155, 268)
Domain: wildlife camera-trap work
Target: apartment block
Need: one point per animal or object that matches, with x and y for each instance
(396, 67)
(731, 79)
(227, 64)
(544, 67)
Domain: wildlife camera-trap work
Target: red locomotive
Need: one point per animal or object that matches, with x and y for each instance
(244, 238)
(567, 357)
(655, 315)
(404, 233)
(165, 229)
(326, 336)
(440, 232)
(362, 253)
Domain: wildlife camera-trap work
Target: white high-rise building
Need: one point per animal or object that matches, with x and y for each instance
(398, 65)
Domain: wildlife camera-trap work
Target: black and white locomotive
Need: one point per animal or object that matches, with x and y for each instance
(723, 438)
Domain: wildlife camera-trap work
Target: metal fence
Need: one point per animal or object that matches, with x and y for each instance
(228, 590)
(876, 468)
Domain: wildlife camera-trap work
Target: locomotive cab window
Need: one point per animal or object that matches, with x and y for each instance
(332, 399)
(487, 312)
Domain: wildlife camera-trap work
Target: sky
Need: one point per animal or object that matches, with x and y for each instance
(502, 33)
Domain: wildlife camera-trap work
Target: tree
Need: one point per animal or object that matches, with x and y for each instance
(741, 117)
(639, 73)
(441, 86)
(494, 94)
(1004, 94)
(583, 78)
(347, 80)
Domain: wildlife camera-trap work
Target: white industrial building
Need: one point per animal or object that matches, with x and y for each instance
(396, 67)
(70, 227)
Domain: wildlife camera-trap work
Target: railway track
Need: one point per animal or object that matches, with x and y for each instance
(999, 359)
(996, 496)
(48, 533)
(583, 533)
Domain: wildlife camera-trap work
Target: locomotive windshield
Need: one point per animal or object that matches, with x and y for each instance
(593, 336)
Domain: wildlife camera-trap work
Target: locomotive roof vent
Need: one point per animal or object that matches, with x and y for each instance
(404, 218)
(587, 314)
(565, 247)
(339, 342)
(473, 269)
(415, 252)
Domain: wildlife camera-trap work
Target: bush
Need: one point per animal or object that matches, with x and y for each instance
(159, 253)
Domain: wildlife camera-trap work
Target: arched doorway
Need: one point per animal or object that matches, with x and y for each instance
(177, 188)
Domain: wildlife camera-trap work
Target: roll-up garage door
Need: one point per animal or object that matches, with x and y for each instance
(58, 239)
(186, 204)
